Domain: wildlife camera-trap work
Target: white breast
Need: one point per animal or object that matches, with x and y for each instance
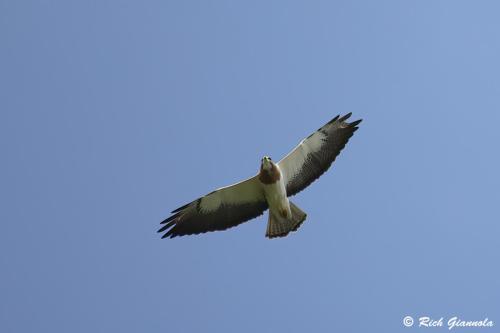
(276, 196)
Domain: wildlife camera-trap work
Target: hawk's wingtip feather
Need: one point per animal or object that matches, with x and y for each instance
(170, 218)
(334, 119)
(355, 123)
(345, 117)
(180, 208)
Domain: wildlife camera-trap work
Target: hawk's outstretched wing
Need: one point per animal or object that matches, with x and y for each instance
(223, 208)
(314, 155)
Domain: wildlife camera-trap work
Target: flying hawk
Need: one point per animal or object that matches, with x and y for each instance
(229, 206)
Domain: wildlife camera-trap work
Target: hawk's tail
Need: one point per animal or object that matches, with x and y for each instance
(279, 226)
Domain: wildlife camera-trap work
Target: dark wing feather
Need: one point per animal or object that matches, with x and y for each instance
(222, 209)
(315, 154)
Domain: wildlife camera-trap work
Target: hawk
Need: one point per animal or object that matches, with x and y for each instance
(232, 205)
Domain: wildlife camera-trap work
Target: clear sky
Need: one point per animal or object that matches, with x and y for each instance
(113, 113)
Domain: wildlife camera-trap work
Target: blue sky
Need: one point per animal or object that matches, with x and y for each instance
(113, 113)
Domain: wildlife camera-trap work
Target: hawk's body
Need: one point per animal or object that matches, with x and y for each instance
(270, 188)
(274, 188)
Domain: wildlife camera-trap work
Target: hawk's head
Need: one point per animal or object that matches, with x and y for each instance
(266, 163)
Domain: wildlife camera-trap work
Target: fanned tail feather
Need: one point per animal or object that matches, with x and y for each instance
(279, 226)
